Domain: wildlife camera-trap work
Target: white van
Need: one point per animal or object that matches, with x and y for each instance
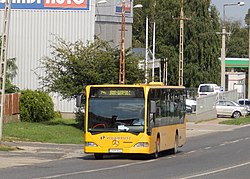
(206, 89)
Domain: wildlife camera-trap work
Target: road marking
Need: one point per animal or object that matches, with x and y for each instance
(193, 151)
(97, 170)
(208, 148)
(216, 171)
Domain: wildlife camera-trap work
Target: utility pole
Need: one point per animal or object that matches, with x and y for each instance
(146, 53)
(3, 59)
(247, 21)
(122, 47)
(181, 43)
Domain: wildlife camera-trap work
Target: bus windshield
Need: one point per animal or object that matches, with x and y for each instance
(116, 114)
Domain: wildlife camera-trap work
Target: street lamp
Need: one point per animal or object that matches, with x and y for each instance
(223, 46)
(233, 4)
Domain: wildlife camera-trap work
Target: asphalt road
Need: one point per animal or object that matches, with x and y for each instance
(214, 155)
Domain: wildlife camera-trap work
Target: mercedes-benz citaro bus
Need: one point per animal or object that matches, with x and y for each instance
(134, 119)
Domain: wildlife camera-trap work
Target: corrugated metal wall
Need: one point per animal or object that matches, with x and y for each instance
(108, 22)
(30, 35)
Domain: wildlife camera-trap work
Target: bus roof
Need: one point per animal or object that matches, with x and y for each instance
(153, 85)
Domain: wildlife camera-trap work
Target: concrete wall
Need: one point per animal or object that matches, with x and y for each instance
(205, 109)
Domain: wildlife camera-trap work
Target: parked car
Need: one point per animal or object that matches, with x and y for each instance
(245, 102)
(230, 108)
(206, 89)
(190, 106)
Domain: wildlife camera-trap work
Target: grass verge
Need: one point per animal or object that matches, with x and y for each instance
(62, 131)
(239, 121)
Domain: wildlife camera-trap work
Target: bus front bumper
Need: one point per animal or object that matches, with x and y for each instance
(117, 150)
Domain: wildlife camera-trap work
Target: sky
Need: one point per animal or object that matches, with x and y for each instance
(232, 12)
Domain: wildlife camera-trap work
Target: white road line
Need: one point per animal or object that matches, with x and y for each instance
(193, 151)
(96, 170)
(216, 171)
(208, 148)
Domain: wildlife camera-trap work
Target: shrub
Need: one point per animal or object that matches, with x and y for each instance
(36, 106)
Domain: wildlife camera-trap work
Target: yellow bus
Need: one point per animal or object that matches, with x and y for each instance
(134, 119)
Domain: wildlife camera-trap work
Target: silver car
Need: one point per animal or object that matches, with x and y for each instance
(230, 108)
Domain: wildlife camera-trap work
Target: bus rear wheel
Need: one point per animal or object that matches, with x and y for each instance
(98, 156)
(175, 149)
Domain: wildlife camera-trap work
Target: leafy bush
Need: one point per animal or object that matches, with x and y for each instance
(36, 106)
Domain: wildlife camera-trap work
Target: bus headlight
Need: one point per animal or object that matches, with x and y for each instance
(90, 144)
(141, 144)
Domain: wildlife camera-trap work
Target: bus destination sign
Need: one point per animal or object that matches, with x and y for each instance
(115, 92)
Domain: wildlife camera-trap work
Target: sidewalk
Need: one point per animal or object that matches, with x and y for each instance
(200, 128)
(33, 152)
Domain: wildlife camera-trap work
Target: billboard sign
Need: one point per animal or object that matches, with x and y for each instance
(48, 4)
(128, 5)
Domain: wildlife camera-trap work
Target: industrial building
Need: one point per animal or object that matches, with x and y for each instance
(34, 25)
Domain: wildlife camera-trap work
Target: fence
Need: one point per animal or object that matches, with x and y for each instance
(205, 105)
(11, 107)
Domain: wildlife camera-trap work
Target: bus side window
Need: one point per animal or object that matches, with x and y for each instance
(152, 107)
(152, 113)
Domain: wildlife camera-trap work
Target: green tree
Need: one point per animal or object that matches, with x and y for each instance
(11, 72)
(201, 43)
(75, 65)
(236, 42)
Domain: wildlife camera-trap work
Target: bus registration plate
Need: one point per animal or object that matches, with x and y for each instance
(115, 150)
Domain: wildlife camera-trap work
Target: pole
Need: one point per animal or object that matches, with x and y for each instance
(3, 60)
(153, 66)
(248, 94)
(146, 53)
(223, 46)
(181, 46)
(223, 56)
(166, 61)
(122, 47)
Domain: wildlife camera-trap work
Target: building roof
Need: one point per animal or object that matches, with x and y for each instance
(236, 62)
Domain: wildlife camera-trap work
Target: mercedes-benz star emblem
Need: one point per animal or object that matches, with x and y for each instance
(115, 143)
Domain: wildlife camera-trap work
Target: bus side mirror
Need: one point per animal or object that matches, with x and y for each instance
(152, 107)
(79, 98)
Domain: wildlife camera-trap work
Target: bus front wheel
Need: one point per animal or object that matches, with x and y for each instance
(98, 156)
(157, 148)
